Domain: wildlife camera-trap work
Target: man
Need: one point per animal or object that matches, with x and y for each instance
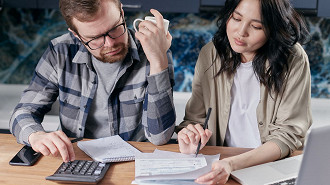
(107, 82)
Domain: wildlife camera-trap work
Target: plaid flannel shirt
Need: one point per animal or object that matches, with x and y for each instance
(142, 105)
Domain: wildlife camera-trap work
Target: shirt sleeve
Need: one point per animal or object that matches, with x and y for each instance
(158, 109)
(195, 112)
(36, 100)
(293, 117)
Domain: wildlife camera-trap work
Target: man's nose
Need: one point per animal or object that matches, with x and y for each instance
(109, 41)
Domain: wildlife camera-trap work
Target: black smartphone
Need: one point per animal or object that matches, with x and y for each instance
(25, 157)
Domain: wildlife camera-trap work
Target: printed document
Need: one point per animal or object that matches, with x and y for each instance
(164, 167)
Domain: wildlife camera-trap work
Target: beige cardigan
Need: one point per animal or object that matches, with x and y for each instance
(283, 119)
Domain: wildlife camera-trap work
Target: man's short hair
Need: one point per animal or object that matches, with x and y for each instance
(82, 10)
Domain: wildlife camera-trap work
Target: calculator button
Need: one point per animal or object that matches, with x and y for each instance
(88, 173)
(67, 172)
(97, 172)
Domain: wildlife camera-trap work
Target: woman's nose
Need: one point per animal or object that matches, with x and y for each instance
(243, 30)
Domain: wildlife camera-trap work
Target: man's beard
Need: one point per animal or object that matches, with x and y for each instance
(114, 58)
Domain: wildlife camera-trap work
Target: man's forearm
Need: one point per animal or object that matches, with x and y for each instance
(159, 113)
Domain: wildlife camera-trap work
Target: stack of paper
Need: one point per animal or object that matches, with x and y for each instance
(163, 167)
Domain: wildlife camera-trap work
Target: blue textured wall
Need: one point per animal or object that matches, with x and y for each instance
(24, 35)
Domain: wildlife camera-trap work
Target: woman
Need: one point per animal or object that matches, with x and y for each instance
(255, 76)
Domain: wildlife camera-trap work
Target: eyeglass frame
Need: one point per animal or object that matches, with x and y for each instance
(106, 34)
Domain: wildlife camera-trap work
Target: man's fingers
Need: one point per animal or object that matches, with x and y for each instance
(62, 148)
(53, 143)
(147, 27)
(43, 150)
(169, 37)
(68, 144)
(51, 146)
(159, 18)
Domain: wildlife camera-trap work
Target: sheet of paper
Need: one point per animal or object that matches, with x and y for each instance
(159, 182)
(209, 158)
(164, 167)
(148, 165)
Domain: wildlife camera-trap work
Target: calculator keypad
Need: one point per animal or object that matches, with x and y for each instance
(80, 170)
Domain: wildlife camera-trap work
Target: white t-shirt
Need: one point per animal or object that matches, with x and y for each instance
(242, 130)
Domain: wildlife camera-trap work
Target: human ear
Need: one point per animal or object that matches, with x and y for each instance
(122, 11)
(74, 33)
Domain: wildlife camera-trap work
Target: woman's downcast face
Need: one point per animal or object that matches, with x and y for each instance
(245, 30)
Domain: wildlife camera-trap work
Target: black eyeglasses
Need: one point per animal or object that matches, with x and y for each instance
(114, 33)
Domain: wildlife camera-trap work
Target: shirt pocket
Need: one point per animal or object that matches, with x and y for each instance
(131, 108)
(132, 96)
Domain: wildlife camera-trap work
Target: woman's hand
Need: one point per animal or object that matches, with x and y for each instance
(218, 175)
(189, 137)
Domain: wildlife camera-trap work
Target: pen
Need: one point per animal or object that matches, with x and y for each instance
(204, 127)
(77, 139)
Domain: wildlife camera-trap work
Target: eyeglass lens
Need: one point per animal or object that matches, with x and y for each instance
(113, 33)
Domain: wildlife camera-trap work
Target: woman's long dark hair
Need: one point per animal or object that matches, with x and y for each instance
(283, 27)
